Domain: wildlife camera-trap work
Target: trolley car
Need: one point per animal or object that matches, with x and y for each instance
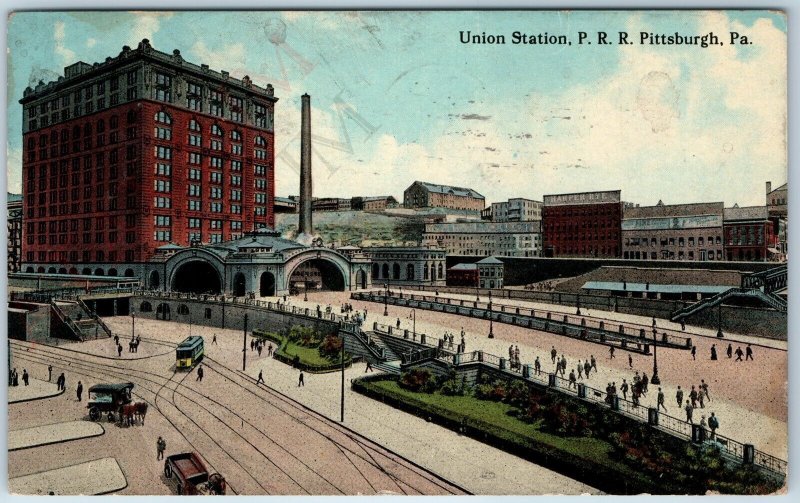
(189, 352)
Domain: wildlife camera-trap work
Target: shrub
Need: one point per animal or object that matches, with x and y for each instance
(304, 336)
(452, 387)
(330, 347)
(418, 380)
(518, 393)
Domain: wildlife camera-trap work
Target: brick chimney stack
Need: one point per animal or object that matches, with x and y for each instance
(304, 223)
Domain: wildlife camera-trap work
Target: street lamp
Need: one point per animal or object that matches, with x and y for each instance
(386, 299)
(578, 305)
(305, 291)
(654, 379)
(341, 418)
(414, 329)
(719, 320)
(491, 322)
(133, 327)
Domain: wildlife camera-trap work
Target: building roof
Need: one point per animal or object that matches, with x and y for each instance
(449, 189)
(285, 200)
(464, 267)
(652, 287)
(377, 198)
(746, 213)
(782, 187)
(673, 210)
(170, 246)
(13, 198)
(489, 261)
(261, 238)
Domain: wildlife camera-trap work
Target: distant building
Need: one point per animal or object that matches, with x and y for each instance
(331, 204)
(516, 210)
(463, 275)
(777, 205)
(431, 195)
(490, 272)
(585, 224)
(286, 205)
(373, 203)
(673, 232)
(411, 265)
(750, 235)
(14, 222)
(508, 239)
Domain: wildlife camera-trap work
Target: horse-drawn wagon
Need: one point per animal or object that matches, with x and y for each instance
(190, 475)
(108, 398)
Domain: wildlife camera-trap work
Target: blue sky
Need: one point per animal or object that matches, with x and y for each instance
(397, 97)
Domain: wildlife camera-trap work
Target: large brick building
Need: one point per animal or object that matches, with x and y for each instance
(586, 224)
(673, 232)
(144, 149)
(431, 195)
(506, 239)
(750, 235)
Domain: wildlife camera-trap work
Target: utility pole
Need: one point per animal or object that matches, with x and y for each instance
(244, 345)
(341, 420)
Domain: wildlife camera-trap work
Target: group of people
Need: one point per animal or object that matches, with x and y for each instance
(543, 286)
(258, 345)
(584, 369)
(13, 377)
(449, 341)
(513, 357)
(729, 352)
(133, 345)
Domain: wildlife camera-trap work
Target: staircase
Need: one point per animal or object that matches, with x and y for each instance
(388, 354)
(391, 367)
(770, 300)
(78, 314)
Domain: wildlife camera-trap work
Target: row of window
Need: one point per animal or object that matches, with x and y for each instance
(652, 242)
(72, 256)
(671, 255)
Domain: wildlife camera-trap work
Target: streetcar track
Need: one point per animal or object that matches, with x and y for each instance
(165, 383)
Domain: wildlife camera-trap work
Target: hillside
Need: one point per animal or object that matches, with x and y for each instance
(358, 227)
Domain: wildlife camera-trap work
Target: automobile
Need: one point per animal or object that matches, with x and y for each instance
(108, 398)
(190, 475)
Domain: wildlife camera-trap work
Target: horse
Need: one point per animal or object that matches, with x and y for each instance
(216, 484)
(127, 414)
(141, 410)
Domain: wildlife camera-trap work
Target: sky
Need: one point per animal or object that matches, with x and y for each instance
(397, 97)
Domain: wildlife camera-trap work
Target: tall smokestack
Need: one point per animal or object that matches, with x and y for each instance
(304, 225)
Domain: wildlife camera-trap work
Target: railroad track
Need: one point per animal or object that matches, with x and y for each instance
(363, 449)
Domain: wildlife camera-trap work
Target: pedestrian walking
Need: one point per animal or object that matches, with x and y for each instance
(300, 381)
(260, 377)
(398, 322)
(679, 396)
(689, 410)
(269, 349)
(644, 382)
(660, 400)
(630, 361)
(693, 397)
(703, 425)
(119, 350)
(572, 382)
(586, 368)
(537, 366)
(199, 373)
(704, 389)
(749, 350)
(729, 351)
(516, 354)
(594, 362)
(49, 373)
(739, 354)
(713, 424)
(369, 367)
(701, 398)
(161, 446)
(259, 349)
(214, 339)
(611, 352)
(580, 370)
(694, 352)
(63, 382)
(25, 376)
(79, 390)
(624, 388)
(713, 351)
(116, 340)
(553, 354)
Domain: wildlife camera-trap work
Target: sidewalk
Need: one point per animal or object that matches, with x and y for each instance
(52, 434)
(36, 390)
(100, 476)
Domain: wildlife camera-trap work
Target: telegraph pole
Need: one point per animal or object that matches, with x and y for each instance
(341, 420)
(244, 345)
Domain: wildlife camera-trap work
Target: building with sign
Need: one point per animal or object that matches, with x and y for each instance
(406, 265)
(507, 239)
(750, 235)
(123, 157)
(673, 232)
(585, 224)
(431, 195)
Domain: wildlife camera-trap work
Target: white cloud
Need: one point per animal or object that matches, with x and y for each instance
(147, 25)
(59, 34)
(91, 42)
(230, 58)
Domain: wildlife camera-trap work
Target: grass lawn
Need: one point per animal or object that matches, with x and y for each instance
(308, 356)
(508, 426)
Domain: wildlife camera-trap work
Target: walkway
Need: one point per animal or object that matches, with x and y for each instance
(52, 434)
(100, 476)
(36, 390)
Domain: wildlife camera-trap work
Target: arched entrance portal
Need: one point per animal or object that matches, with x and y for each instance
(315, 275)
(361, 279)
(155, 280)
(196, 276)
(267, 285)
(238, 285)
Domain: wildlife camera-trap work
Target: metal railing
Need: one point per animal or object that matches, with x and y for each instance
(67, 320)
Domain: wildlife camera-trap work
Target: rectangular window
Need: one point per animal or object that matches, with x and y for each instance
(236, 149)
(132, 77)
(162, 220)
(194, 190)
(216, 145)
(236, 180)
(194, 97)
(216, 224)
(236, 195)
(216, 103)
(236, 226)
(163, 133)
(236, 165)
(162, 236)
(163, 152)
(162, 186)
(261, 211)
(262, 184)
(260, 154)
(194, 158)
(215, 177)
(162, 202)
(216, 238)
(216, 207)
(194, 174)
(261, 197)
(163, 169)
(236, 105)
(236, 209)
(195, 237)
(261, 116)
(215, 162)
(194, 223)
(216, 193)
(130, 94)
(194, 205)
(163, 87)
(194, 140)
(260, 170)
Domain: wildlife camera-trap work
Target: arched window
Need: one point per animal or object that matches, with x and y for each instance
(183, 309)
(194, 125)
(260, 142)
(101, 126)
(440, 271)
(163, 117)
(396, 271)
(216, 130)
(376, 271)
(87, 129)
(425, 271)
(385, 271)
(236, 135)
(145, 307)
(410, 272)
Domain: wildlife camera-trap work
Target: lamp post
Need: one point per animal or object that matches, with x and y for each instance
(654, 379)
(719, 320)
(133, 326)
(491, 322)
(386, 299)
(578, 305)
(305, 291)
(414, 329)
(341, 417)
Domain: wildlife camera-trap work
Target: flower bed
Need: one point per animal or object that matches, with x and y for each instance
(306, 349)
